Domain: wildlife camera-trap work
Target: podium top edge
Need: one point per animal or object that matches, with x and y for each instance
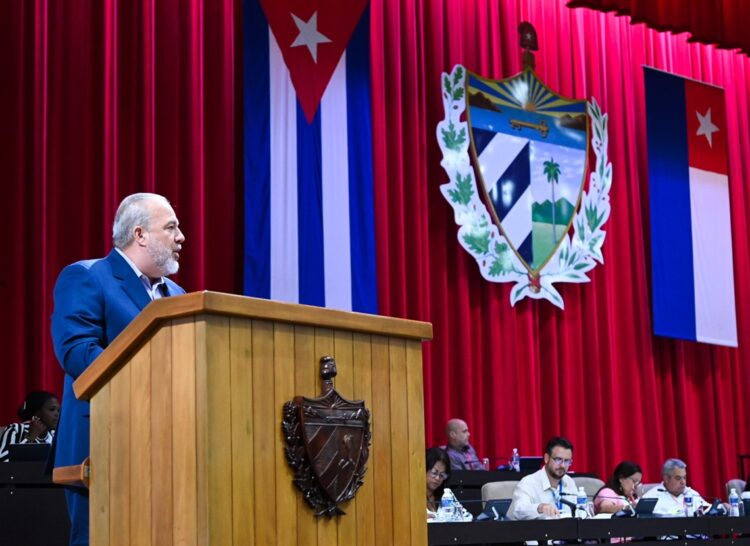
(232, 305)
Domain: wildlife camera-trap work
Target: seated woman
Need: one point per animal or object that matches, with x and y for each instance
(620, 490)
(39, 413)
(438, 469)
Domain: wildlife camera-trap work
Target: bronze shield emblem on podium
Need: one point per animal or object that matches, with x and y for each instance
(327, 441)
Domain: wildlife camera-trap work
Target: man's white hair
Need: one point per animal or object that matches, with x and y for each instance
(670, 465)
(133, 212)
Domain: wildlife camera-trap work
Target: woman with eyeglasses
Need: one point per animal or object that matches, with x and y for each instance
(620, 490)
(438, 469)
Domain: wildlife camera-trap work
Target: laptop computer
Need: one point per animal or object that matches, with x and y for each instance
(496, 509)
(530, 464)
(645, 508)
(28, 452)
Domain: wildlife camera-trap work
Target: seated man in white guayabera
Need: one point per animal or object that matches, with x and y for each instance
(549, 492)
(671, 493)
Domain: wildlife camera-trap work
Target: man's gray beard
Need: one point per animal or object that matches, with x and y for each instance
(162, 257)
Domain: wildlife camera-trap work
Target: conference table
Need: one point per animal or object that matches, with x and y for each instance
(32, 508)
(467, 484)
(715, 530)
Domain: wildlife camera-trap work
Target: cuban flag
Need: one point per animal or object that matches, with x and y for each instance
(691, 229)
(309, 225)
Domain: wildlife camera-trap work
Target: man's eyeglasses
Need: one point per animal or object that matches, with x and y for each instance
(437, 474)
(560, 460)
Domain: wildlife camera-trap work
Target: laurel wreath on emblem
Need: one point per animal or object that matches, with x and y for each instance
(576, 254)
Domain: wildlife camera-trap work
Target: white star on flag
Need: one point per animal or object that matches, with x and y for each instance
(309, 35)
(706, 128)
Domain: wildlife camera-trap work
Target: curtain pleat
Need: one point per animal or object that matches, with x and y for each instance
(719, 22)
(593, 372)
(100, 99)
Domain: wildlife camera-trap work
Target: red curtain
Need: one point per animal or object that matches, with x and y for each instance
(104, 98)
(593, 372)
(98, 100)
(720, 22)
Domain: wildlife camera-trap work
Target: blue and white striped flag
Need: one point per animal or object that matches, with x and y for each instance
(309, 235)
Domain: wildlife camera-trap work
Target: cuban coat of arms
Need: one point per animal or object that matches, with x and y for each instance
(517, 156)
(327, 444)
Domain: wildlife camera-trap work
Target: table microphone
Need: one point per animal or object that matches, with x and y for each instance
(573, 507)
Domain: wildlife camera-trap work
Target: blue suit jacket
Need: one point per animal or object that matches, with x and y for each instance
(94, 301)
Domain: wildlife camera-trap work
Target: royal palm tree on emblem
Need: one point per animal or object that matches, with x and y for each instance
(552, 171)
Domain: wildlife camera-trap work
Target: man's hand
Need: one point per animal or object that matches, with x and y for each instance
(549, 510)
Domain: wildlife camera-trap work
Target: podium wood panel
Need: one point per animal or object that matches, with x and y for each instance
(380, 451)
(283, 367)
(362, 375)
(343, 349)
(99, 492)
(263, 412)
(415, 425)
(241, 382)
(119, 467)
(399, 430)
(305, 380)
(183, 451)
(140, 458)
(162, 422)
(187, 446)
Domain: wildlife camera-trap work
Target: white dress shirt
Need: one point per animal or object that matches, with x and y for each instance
(535, 489)
(153, 290)
(670, 506)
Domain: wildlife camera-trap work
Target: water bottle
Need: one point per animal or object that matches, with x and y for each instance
(515, 460)
(734, 503)
(688, 502)
(581, 500)
(447, 510)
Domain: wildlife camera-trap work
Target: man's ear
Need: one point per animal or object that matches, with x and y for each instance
(139, 235)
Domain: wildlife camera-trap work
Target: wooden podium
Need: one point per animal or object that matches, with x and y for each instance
(186, 410)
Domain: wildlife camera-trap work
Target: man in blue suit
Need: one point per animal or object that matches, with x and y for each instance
(94, 301)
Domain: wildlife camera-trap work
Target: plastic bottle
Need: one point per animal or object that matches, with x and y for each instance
(447, 510)
(734, 503)
(515, 460)
(581, 500)
(688, 502)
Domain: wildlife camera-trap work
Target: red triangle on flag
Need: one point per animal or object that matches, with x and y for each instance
(312, 37)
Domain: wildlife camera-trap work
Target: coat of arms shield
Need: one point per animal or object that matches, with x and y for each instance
(516, 154)
(328, 441)
(529, 146)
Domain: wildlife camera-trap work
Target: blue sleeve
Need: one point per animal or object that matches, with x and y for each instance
(78, 319)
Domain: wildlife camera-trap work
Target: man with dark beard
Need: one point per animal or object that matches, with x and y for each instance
(94, 301)
(541, 494)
